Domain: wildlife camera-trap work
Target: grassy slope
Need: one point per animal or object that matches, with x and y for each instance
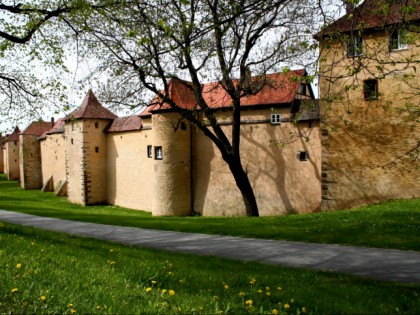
(46, 272)
(388, 225)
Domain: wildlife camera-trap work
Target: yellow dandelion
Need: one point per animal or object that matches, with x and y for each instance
(249, 302)
(42, 298)
(253, 281)
(267, 288)
(70, 305)
(148, 290)
(164, 291)
(111, 250)
(275, 312)
(18, 266)
(279, 288)
(286, 306)
(72, 311)
(267, 293)
(292, 300)
(170, 273)
(226, 286)
(259, 291)
(241, 293)
(171, 292)
(98, 307)
(14, 290)
(154, 282)
(303, 309)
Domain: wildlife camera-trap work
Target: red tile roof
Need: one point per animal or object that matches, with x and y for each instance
(277, 89)
(375, 14)
(15, 135)
(125, 124)
(37, 128)
(91, 108)
(57, 128)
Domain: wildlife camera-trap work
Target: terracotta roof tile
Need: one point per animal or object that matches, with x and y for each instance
(125, 124)
(375, 14)
(277, 88)
(58, 127)
(91, 108)
(15, 135)
(37, 128)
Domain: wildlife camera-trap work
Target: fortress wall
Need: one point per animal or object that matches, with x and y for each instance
(95, 150)
(53, 158)
(130, 170)
(12, 156)
(30, 162)
(75, 162)
(270, 155)
(172, 173)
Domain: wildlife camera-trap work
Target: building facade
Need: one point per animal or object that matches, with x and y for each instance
(370, 105)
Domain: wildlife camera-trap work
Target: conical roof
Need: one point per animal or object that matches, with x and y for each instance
(15, 135)
(91, 108)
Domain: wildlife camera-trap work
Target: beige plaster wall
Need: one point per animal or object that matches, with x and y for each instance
(53, 162)
(30, 162)
(370, 148)
(172, 174)
(75, 162)
(281, 182)
(130, 171)
(12, 156)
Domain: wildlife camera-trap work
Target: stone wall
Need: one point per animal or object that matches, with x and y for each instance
(370, 147)
(12, 157)
(130, 170)
(53, 159)
(30, 162)
(282, 183)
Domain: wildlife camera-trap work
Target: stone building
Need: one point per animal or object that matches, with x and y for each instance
(370, 104)
(160, 163)
(11, 155)
(30, 155)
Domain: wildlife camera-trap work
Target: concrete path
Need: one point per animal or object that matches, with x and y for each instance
(391, 265)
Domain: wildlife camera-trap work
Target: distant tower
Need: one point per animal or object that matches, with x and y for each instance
(86, 152)
(12, 155)
(30, 155)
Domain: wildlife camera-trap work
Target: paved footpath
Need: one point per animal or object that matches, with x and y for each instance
(391, 265)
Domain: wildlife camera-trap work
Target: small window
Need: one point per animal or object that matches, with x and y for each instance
(398, 40)
(355, 46)
(183, 126)
(71, 141)
(96, 124)
(149, 151)
(97, 149)
(370, 90)
(275, 119)
(158, 153)
(303, 155)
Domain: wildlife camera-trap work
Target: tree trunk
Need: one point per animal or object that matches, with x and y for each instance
(244, 185)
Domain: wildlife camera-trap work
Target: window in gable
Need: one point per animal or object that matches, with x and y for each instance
(275, 119)
(355, 46)
(370, 89)
(398, 39)
(149, 151)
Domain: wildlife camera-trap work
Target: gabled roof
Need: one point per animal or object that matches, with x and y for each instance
(277, 88)
(125, 124)
(15, 135)
(91, 108)
(57, 128)
(36, 128)
(374, 14)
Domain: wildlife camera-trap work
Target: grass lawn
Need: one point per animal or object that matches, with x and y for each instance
(393, 224)
(51, 273)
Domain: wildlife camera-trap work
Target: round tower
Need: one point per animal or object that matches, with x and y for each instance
(172, 166)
